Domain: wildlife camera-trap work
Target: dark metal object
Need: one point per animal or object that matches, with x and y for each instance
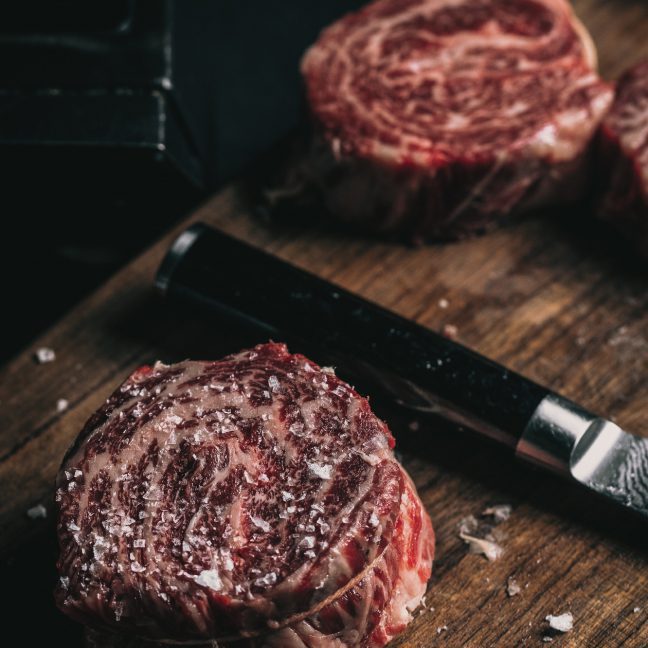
(597, 453)
(238, 278)
(202, 87)
(120, 115)
(417, 368)
(113, 77)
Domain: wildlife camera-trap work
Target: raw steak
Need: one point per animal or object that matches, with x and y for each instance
(623, 158)
(436, 118)
(257, 496)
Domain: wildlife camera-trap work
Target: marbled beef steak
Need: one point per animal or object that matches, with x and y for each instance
(257, 496)
(437, 118)
(623, 158)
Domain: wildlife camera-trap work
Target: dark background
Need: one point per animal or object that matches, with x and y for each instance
(117, 117)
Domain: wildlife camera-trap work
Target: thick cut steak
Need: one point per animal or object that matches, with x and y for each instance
(257, 496)
(623, 158)
(436, 118)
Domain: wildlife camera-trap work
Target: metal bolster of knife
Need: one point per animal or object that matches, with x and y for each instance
(594, 451)
(566, 438)
(553, 432)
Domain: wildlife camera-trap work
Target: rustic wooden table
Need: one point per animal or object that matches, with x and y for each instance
(554, 298)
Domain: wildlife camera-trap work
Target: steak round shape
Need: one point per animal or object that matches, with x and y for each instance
(623, 158)
(254, 497)
(437, 118)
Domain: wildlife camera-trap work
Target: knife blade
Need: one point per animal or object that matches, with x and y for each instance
(414, 367)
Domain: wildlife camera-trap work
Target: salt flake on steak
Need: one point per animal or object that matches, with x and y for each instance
(258, 522)
(323, 472)
(437, 118)
(209, 578)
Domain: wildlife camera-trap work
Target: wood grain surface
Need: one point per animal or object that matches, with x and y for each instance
(557, 298)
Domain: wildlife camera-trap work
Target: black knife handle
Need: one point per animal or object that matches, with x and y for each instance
(421, 369)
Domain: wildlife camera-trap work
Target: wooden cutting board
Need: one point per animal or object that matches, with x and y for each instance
(556, 298)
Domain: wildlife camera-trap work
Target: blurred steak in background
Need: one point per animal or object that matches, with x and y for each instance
(623, 159)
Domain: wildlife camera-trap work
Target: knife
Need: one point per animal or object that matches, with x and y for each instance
(415, 367)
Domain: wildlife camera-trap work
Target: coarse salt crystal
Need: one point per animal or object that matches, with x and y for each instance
(137, 568)
(209, 578)
(500, 512)
(228, 563)
(296, 428)
(371, 459)
(73, 527)
(512, 588)
(101, 545)
(62, 404)
(468, 524)
(45, 355)
(324, 527)
(262, 524)
(323, 472)
(38, 511)
(561, 622)
(308, 542)
(273, 383)
(484, 546)
(444, 303)
(139, 543)
(268, 579)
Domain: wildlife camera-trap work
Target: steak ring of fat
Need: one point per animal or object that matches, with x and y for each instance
(256, 496)
(437, 118)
